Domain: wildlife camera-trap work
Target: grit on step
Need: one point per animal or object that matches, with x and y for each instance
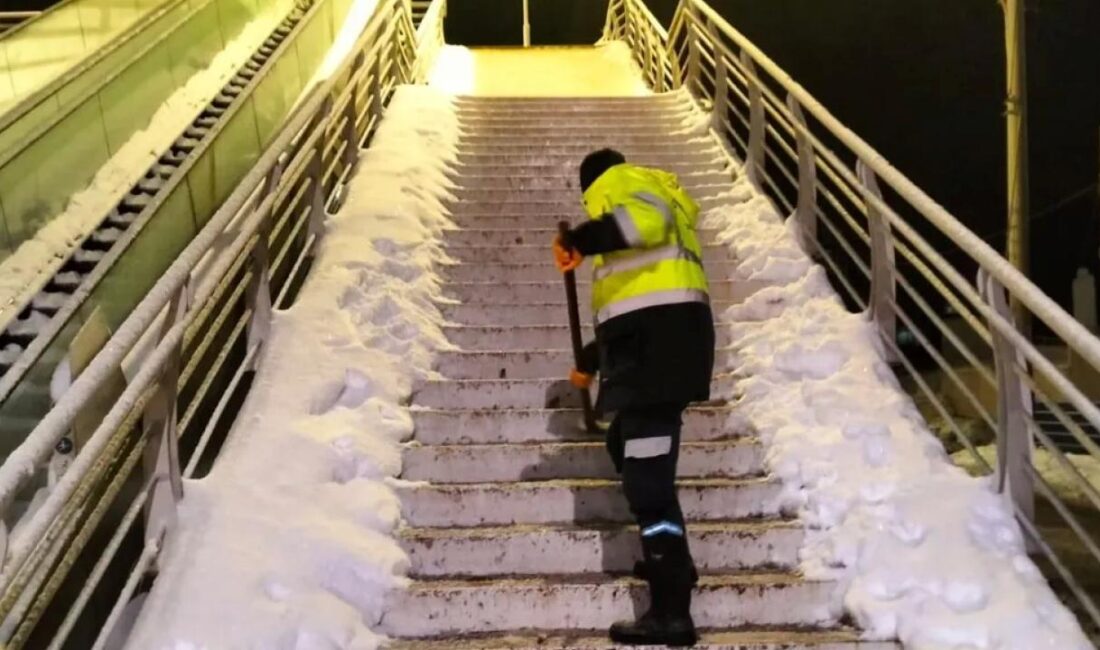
(528, 425)
(739, 640)
(563, 501)
(434, 608)
(524, 550)
(514, 519)
(546, 461)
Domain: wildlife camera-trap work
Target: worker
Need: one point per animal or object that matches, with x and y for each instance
(654, 351)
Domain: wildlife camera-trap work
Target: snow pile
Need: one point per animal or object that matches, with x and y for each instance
(26, 270)
(926, 553)
(289, 542)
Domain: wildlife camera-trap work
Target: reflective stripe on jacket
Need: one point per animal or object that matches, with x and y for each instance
(663, 265)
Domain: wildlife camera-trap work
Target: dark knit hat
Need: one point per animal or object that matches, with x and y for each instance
(596, 163)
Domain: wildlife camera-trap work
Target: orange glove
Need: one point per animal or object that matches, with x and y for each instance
(566, 259)
(580, 379)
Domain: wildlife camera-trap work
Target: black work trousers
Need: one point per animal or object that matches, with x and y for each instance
(644, 444)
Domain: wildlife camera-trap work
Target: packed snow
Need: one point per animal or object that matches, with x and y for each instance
(926, 553)
(290, 539)
(29, 267)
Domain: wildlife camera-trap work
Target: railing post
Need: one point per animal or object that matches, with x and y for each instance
(1015, 446)
(694, 57)
(317, 176)
(883, 278)
(721, 83)
(259, 287)
(757, 123)
(351, 114)
(159, 427)
(805, 214)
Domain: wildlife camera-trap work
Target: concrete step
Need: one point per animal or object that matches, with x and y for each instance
(707, 201)
(518, 110)
(634, 152)
(518, 393)
(550, 313)
(533, 337)
(630, 145)
(499, 293)
(749, 639)
(559, 128)
(434, 608)
(504, 179)
(546, 272)
(578, 501)
(570, 160)
(540, 252)
(511, 364)
(476, 174)
(733, 458)
(598, 115)
(520, 236)
(533, 550)
(515, 426)
(526, 364)
(468, 102)
(570, 193)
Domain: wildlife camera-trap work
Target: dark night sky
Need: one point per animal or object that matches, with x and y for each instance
(922, 82)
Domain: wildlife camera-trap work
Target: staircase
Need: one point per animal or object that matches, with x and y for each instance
(517, 531)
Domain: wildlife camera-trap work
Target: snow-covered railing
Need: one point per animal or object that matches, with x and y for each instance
(12, 19)
(634, 24)
(903, 258)
(248, 259)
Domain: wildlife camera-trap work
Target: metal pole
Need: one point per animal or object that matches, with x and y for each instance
(526, 23)
(1018, 250)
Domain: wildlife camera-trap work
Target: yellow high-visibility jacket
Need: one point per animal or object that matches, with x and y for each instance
(663, 265)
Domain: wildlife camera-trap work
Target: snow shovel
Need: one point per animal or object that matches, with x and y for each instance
(578, 343)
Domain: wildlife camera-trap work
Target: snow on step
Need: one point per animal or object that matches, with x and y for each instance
(526, 314)
(548, 550)
(538, 272)
(485, 426)
(513, 236)
(738, 640)
(527, 337)
(537, 253)
(498, 293)
(555, 207)
(544, 461)
(434, 608)
(518, 393)
(576, 500)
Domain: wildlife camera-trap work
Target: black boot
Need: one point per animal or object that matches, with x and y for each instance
(668, 621)
(641, 572)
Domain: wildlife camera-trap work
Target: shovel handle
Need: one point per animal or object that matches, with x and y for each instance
(575, 334)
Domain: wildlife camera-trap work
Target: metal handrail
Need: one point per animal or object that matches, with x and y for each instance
(295, 183)
(876, 244)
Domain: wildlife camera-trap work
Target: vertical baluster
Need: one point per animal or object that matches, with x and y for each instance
(317, 174)
(1015, 445)
(159, 427)
(757, 123)
(693, 46)
(721, 81)
(883, 279)
(805, 214)
(351, 113)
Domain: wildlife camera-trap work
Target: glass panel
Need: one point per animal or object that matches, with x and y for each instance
(193, 46)
(130, 100)
(277, 93)
(235, 151)
(158, 244)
